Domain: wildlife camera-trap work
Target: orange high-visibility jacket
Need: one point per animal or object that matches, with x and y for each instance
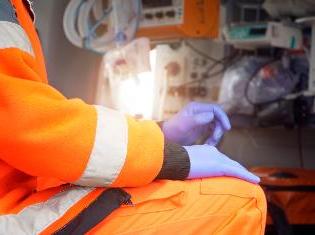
(50, 144)
(48, 141)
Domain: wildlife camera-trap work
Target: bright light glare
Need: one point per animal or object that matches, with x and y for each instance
(137, 95)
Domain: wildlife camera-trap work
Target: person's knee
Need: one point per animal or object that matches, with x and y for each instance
(234, 187)
(241, 204)
(261, 198)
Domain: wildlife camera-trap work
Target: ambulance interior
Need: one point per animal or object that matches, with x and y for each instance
(148, 58)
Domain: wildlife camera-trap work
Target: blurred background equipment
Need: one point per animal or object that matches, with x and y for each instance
(173, 19)
(256, 67)
(263, 34)
(310, 22)
(99, 25)
(289, 8)
(118, 30)
(184, 74)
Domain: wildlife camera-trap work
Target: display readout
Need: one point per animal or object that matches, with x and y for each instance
(156, 3)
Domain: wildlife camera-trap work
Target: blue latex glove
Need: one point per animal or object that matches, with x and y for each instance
(196, 120)
(207, 161)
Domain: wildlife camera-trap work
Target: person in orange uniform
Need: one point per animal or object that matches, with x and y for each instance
(67, 167)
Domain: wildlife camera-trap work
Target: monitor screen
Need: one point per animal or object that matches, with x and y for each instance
(156, 3)
(258, 31)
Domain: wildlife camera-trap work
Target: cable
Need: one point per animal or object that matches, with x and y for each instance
(201, 53)
(223, 61)
(202, 79)
(300, 145)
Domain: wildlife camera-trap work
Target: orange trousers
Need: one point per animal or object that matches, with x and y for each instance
(208, 206)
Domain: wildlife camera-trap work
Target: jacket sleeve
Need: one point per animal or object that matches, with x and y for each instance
(45, 134)
(49, 136)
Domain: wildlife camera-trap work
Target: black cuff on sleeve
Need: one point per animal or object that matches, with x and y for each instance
(176, 164)
(160, 124)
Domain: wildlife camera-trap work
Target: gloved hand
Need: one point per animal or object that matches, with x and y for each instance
(207, 161)
(194, 121)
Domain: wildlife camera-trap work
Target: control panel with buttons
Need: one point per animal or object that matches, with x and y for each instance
(162, 13)
(183, 75)
(169, 20)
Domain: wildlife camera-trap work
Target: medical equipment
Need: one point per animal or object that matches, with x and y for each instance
(256, 35)
(190, 72)
(100, 25)
(310, 21)
(173, 19)
(289, 8)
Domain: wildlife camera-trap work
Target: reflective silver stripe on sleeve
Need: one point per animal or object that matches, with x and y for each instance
(35, 218)
(13, 36)
(109, 151)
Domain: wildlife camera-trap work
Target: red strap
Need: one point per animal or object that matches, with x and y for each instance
(28, 26)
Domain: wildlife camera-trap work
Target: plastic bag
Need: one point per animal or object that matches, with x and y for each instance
(273, 82)
(130, 60)
(255, 80)
(122, 68)
(232, 92)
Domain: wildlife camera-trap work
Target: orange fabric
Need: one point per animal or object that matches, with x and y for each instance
(28, 26)
(46, 183)
(183, 207)
(15, 186)
(208, 206)
(42, 132)
(145, 154)
(54, 133)
(17, 190)
(73, 211)
(47, 139)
